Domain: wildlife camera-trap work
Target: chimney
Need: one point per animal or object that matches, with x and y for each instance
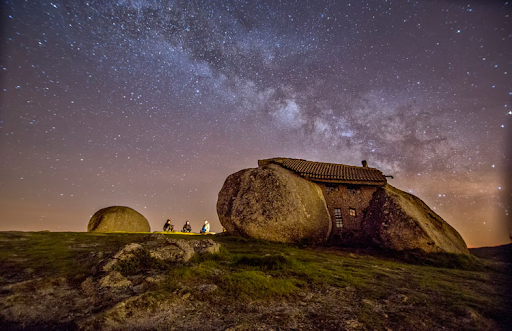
(364, 163)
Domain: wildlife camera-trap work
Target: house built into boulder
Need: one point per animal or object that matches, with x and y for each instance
(347, 191)
(290, 200)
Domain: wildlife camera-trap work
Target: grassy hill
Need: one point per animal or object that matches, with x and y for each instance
(248, 285)
(501, 253)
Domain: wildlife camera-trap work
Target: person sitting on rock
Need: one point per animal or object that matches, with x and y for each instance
(206, 227)
(187, 227)
(168, 226)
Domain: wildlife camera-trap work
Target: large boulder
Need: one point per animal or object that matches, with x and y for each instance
(118, 218)
(273, 203)
(400, 221)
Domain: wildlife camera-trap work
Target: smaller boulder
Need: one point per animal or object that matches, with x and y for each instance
(118, 218)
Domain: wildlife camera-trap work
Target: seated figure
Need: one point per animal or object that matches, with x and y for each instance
(206, 227)
(168, 227)
(187, 227)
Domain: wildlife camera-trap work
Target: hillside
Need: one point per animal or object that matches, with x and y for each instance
(498, 253)
(248, 285)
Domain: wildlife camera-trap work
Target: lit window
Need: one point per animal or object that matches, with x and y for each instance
(352, 212)
(337, 217)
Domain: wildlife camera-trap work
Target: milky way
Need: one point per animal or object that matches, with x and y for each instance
(153, 104)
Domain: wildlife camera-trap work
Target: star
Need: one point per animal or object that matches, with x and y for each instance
(149, 105)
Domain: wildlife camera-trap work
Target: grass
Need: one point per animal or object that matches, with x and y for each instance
(442, 260)
(414, 288)
(266, 262)
(256, 285)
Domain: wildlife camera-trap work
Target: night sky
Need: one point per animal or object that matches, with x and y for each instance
(152, 104)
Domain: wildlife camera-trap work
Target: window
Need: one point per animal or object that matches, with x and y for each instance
(352, 212)
(338, 219)
(330, 188)
(353, 189)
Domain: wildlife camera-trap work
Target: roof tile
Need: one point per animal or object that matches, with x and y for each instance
(332, 171)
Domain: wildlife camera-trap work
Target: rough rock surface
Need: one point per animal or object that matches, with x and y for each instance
(400, 221)
(107, 277)
(118, 218)
(163, 249)
(126, 253)
(273, 203)
(114, 279)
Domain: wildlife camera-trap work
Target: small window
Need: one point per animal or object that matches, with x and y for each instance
(353, 189)
(352, 212)
(330, 188)
(337, 217)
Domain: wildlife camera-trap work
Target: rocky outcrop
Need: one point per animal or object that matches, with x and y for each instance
(400, 221)
(162, 249)
(118, 218)
(273, 203)
(156, 251)
(126, 253)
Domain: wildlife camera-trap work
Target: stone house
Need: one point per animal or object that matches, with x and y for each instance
(347, 190)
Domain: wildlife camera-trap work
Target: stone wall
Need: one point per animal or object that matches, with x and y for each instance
(345, 197)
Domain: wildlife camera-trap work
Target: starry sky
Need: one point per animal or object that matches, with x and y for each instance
(152, 104)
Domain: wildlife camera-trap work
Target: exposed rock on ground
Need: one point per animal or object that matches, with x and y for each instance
(400, 221)
(154, 252)
(118, 218)
(126, 253)
(273, 203)
(241, 288)
(142, 264)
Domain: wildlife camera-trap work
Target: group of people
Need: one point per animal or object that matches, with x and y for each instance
(187, 228)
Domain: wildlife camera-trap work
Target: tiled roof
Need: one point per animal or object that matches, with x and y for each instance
(331, 171)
